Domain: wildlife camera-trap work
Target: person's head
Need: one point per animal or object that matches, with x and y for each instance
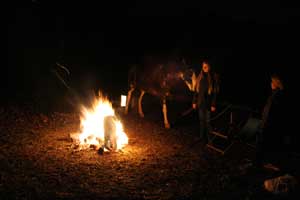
(276, 82)
(206, 66)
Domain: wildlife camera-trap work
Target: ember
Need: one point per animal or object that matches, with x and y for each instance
(100, 128)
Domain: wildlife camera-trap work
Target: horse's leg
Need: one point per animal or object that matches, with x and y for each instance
(165, 113)
(128, 99)
(140, 103)
(191, 85)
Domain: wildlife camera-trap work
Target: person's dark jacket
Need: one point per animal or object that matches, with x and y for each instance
(202, 97)
(274, 117)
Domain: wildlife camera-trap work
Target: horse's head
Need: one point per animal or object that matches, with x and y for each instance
(189, 77)
(178, 82)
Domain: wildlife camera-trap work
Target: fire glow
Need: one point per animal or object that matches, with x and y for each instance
(100, 128)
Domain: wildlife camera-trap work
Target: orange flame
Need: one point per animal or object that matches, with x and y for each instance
(93, 126)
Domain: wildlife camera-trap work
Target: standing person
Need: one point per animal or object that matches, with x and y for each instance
(205, 98)
(269, 137)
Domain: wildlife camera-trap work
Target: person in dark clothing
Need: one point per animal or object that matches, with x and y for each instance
(270, 136)
(205, 98)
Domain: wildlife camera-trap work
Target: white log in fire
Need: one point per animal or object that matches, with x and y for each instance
(100, 128)
(123, 100)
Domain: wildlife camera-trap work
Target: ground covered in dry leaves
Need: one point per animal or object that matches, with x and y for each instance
(38, 160)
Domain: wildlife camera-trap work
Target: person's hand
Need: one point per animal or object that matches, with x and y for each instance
(194, 106)
(213, 109)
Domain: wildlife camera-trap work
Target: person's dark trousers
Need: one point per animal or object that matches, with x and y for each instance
(204, 117)
(259, 148)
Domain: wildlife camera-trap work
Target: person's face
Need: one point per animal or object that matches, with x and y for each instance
(205, 67)
(274, 84)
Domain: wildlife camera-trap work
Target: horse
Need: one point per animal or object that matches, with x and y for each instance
(169, 80)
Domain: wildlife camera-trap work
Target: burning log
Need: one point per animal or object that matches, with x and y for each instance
(110, 133)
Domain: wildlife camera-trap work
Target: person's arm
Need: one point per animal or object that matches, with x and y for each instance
(214, 93)
(213, 103)
(194, 102)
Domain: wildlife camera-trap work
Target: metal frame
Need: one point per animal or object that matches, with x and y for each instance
(220, 135)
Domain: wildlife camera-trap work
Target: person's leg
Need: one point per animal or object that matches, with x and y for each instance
(203, 125)
(259, 149)
(209, 128)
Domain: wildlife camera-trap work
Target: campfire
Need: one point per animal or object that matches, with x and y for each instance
(99, 127)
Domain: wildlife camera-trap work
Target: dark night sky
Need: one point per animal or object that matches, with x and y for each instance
(98, 41)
